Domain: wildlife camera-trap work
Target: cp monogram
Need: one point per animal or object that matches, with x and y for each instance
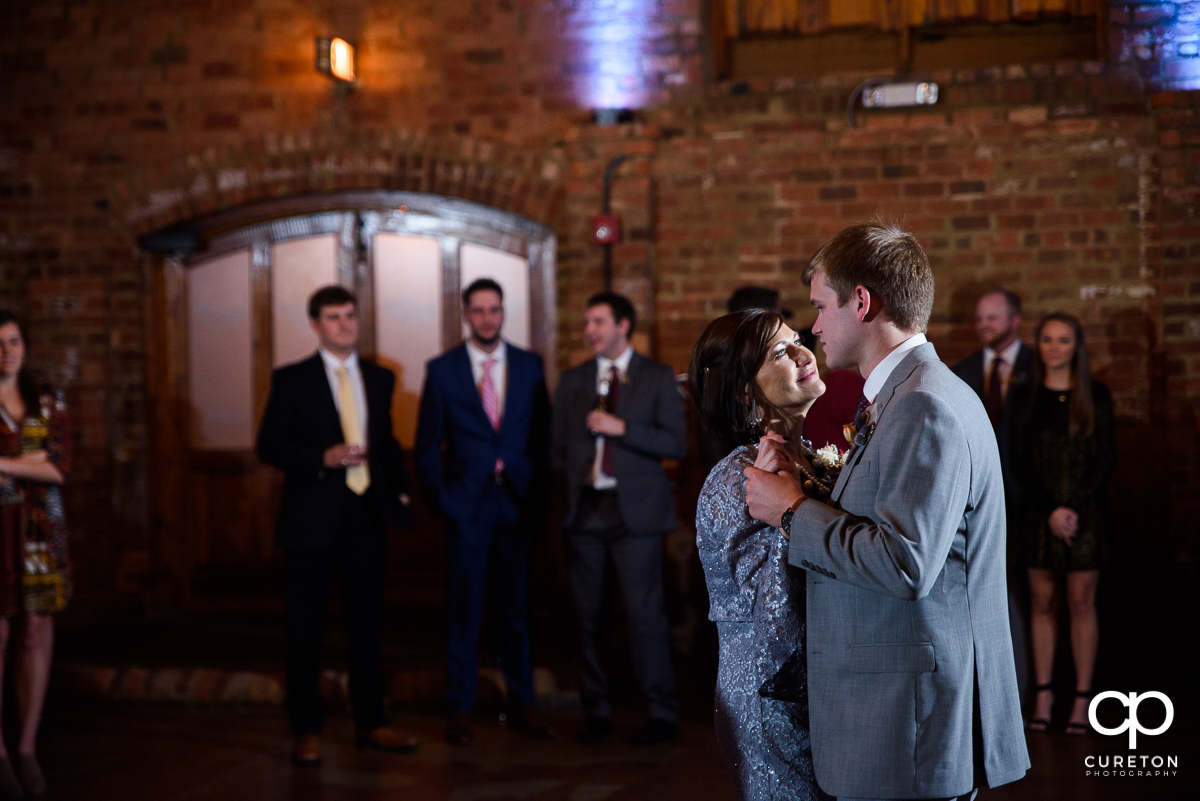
(1131, 722)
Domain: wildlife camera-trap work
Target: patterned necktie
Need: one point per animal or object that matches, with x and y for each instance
(995, 394)
(487, 393)
(357, 476)
(614, 393)
(860, 411)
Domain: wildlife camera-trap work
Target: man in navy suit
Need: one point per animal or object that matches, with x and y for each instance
(483, 451)
(328, 427)
(995, 371)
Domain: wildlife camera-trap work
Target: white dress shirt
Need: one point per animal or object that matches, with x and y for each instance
(1009, 355)
(499, 368)
(883, 370)
(332, 363)
(604, 366)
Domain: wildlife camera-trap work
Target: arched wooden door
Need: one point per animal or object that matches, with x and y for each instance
(228, 307)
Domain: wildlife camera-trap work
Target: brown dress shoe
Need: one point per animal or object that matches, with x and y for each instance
(527, 722)
(458, 729)
(306, 751)
(387, 738)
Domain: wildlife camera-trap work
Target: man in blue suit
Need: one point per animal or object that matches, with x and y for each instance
(483, 451)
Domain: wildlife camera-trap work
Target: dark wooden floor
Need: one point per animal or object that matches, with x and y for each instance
(99, 749)
(142, 752)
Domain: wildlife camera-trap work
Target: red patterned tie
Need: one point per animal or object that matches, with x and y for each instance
(614, 393)
(860, 410)
(995, 394)
(487, 392)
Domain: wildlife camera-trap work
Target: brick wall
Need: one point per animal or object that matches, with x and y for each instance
(1076, 184)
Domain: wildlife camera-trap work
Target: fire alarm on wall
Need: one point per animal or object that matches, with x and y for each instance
(606, 229)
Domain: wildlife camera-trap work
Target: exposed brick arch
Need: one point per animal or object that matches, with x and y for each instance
(278, 165)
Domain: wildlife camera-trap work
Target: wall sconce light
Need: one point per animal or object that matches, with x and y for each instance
(335, 58)
(883, 93)
(900, 94)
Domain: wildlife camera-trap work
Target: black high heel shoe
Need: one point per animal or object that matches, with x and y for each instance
(1041, 724)
(1079, 729)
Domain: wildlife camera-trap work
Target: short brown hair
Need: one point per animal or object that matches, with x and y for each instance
(621, 306)
(332, 295)
(887, 261)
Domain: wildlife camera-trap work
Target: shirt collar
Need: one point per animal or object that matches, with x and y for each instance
(1009, 354)
(883, 370)
(478, 355)
(333, 362)
(604, 364)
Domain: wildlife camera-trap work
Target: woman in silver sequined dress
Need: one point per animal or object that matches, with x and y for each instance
(749, 375)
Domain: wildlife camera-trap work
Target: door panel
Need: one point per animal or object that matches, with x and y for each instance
(408, 319)
(226, 317)
(220, 354)
(299, 267)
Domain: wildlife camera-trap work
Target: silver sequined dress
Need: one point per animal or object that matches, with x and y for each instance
(757, 602)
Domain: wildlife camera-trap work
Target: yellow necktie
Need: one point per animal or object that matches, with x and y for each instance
(357, 477)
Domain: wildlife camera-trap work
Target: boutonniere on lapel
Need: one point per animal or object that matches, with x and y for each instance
(859, 434)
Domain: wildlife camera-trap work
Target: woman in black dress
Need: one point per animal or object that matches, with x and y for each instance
(1063, 452)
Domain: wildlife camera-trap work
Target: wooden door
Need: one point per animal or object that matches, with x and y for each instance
(226, 315)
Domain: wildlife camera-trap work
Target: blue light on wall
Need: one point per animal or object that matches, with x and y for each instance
(616, 41)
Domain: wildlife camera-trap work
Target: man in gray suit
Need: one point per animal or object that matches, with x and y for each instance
(616, 417)
(912, 689)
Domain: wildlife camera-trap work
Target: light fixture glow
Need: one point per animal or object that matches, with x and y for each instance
(900, 94)
(335, 57)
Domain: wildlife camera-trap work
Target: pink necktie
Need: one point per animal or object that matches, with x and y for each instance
(487, 391)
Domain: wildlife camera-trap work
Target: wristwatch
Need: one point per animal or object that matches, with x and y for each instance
(785, 520)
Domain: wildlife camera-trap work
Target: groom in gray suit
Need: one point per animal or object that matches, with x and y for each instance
(912, 689)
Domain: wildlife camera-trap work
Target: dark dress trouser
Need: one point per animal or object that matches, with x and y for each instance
(494, 547)
(357, 557)
(638, 565)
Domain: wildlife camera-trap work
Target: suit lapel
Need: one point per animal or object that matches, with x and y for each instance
(586, 388)
(466, 380)
(513, 374)
(899, 375)
(323, 393)
(975, 373)
(1023, 368)
(632, 379)
(371, 386)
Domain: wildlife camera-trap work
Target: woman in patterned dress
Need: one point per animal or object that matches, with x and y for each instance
(750, 374)
(34, 564)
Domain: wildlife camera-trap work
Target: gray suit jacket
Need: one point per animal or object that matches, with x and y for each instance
(656, 429)
(907, 601)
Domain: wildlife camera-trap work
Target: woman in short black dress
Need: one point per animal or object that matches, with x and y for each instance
(1063, 452)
